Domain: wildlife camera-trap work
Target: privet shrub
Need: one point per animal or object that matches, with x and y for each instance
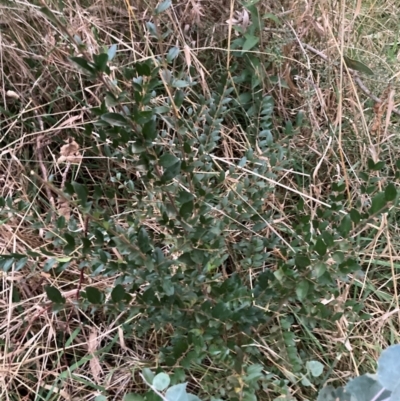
(196, 235)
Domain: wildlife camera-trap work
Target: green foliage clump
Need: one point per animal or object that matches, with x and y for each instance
(201, 260)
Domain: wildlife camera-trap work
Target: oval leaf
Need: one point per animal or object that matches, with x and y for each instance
(178, 98)
(389, 367)
(83, 64)
(149, 130)
(390, 192)
(329, 393)
(250, 42)
(144, 240)
(148, 375)
(81, 191)
(315, 367)
(118, 294)
(163, 7)
(115, 119)
(168, 160)
(161, 381)
(320, 247)
(366, 387)
(302, 289)
(355, 216)
(112, 51)
(345, 226)
(179, 83)
(54, 295)
(357, 65)
(94, 296)
(378, 203)
(177, 393)
(173, 53)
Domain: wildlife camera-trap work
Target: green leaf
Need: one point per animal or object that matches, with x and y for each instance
(70, 247)
(118, 294)
(133, 397)
(83, 64)
(143, 68)
(345, 226)
(302, 289)
(100, 62)
(179, 98)
(186, 210)
(94, 296)
(115, 119)
(173, 53)
(49, 264)
(179, 83)
(149, 130)
(305, 382)
(388, 368)
(161, 381)
(161, 109)
(272, 17)
(148, 375)
(338, 257)
(171, 172)
(82, 192)
(379, 166)
(316, 368)
(6, 264)
(357, 65)
(49, 14)
(302, 261)
(390, 192)
(112, 51)
(54, 295)
(144, 240)
(250, 42)
(168, 288)
(378, 203)
(328, 238)
(299, 118)
(86, 245)
(371, 164)
(163, 7)
(320, 247)
(186, 258)
(100, 398)
(168, 160)
(320, 269)
(21, 263)
(329, 393)
(177, 393)
(355, 216)
(180, 347)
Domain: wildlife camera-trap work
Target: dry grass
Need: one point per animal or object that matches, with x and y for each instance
(40, 113)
